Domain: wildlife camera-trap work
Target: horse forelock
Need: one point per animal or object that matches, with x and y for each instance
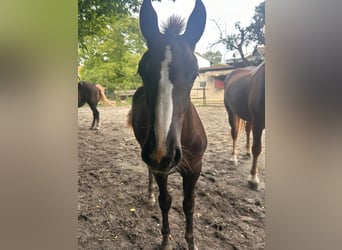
(174, 25)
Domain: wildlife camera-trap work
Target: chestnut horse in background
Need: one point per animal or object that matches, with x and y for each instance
(165, 122)
(92, 93)
(244, 98)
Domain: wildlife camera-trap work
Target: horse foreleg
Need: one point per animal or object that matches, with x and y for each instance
(165, 201)
(248, 129)
(189, 182)
(253, 181)
(151, 199)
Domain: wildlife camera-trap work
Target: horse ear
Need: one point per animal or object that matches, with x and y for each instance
(148, 21)
(196, 24)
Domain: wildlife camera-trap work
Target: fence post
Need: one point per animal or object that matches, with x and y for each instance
(203, 85)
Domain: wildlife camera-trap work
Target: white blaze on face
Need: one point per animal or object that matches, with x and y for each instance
(164, 106)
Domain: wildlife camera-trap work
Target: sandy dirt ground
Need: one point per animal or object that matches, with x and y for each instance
(112, 188)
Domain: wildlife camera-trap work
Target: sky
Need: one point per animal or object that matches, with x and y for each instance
(225, 12)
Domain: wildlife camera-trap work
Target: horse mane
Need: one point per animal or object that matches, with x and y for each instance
(173, 26)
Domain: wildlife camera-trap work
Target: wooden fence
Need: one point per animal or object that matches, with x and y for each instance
(199, 96)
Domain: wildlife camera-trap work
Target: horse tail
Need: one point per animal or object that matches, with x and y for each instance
(129, 118)
(242, 125)
(103, 97)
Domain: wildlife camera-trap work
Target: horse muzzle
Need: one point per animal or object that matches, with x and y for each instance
(159, 161)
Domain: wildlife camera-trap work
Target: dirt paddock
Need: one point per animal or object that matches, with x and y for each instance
(112, 188)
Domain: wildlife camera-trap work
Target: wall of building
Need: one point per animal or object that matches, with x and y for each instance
(213, 92)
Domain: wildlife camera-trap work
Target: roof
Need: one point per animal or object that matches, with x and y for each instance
(215, 68)
(234, 54)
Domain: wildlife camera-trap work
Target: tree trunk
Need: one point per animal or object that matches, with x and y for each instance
(244, 60)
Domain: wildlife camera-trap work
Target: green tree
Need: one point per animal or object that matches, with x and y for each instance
(213, 57)
(93, 15)
(257, 28)
(235, 41)
(113, 54)
(253, 33)
(110, 42)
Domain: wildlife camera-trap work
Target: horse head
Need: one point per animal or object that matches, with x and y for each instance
(168, 70)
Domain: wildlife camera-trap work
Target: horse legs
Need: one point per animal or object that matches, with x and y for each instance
(248, 128)
(96, 117)
(189, 182)
(253, 181)
(151, 199)
(234, 122)
(165, 201)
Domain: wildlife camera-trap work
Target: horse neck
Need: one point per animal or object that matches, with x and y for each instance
(192, 129)
(260, 67)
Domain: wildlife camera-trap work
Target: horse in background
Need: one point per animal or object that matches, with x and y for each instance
(164, 120)
(243, 124)
(92, 93)
(244, 99)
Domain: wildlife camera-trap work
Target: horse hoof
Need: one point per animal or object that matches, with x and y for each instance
(193, 247)
(234, 162)
(253, 185)
(151, 201)
(165, 245)
(253, 182)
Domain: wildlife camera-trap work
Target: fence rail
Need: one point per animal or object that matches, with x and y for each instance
(198, 96)
(123, 94)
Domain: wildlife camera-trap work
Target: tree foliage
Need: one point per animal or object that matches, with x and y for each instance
(253, 33)
(113, 54)
(93, 15)
(257, 28)
(237, 41)
(110, 43)
(213, 57)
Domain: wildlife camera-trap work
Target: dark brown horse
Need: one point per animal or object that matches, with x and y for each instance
(165, 122)
(92, 93)
(244, 98)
